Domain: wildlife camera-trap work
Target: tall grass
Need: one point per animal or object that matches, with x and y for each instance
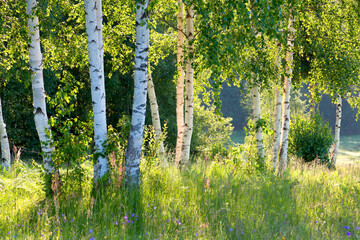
(213, 200)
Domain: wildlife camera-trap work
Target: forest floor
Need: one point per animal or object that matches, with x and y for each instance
(213, 200)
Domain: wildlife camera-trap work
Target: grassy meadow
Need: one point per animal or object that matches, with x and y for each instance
(208, 200)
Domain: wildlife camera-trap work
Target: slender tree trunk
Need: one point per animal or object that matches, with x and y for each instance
(155, 116)
(36, 67)
(93, 18)
(312, 102)
(5, 147)
(258, 128)
(189, 86)
(277, 126)
(180, 86)
(133, 151)
(286, 101)
(337, 130)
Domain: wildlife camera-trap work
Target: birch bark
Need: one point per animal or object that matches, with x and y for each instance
(37, 81)
(284, 142)
(5, 147)
(93, 16)
(133, 151)
(258, 128)
(189, 85)
(337, 130)
(277, 127)
(155, 116)
(180, 86)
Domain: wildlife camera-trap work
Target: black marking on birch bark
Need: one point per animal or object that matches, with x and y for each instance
(93, 102)
(145, 50)
(36, 69)
(96, 70)
(94, 6)
(137, 165)
(93, 41)
(29, 45)
(140, 57)
(97, 29)
(137, 24)
(4, 137)
(143, 65)
(140, 69)
(39, 111)
(103, 96)
(143, 81)
(97, 88)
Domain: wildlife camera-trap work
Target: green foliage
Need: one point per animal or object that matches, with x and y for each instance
(310, 139)
(210, 130)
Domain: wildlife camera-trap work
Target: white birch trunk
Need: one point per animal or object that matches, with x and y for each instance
(337, 130)
(5, 147)
(284, 142)
(155, 116)
(133, 151)
(180, 86)
(257, 117)
(277, 126)
(189, 85)
(39, 103)
(93, 18)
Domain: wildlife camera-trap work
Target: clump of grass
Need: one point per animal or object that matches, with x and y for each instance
(206, 201)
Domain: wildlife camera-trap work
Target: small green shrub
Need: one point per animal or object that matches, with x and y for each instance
(310, 138)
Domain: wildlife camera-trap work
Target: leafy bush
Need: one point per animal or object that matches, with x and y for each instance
(210, 131)
(310, 138)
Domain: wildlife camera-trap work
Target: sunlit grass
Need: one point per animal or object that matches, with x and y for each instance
(206, 201)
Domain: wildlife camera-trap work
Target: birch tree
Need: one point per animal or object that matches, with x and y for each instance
(39, 97)
(257, 119)
(286, 99)
(189, 84)
(5, 147)
(180, 85)
(277, 127)
(93, 18)
(133, 151)
(155, 116)
(337, 129)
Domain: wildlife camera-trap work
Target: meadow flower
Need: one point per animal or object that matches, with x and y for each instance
(231, 229)
(145, 233)
(348, 233)
(116, 223)
(196, 234)
(92, 238)
(357, 228)
(316, 222)
(125, 217)
(154, 208)
(90, 231)
(346, 227)
(133, 214)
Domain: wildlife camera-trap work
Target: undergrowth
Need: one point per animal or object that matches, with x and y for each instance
(212, 200)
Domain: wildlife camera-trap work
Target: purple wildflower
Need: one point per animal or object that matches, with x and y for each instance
(196, 234)
(242, 232)
(231, 229)
(90, 231)
(125, 217)
(116, 223)
(357, 228)
(346, 227)
(316, 222)
(92, 238)
(132, 221)
(348, 233)
(145, 233)
(133, 214)
(154, 208)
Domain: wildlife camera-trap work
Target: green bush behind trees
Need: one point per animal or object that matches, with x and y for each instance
(310, 138)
